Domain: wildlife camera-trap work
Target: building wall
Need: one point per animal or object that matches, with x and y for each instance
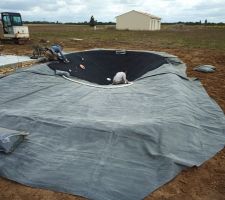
(132, 21)
(154, 24)
(136, 21)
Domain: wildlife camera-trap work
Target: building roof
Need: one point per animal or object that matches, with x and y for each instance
(143, 13)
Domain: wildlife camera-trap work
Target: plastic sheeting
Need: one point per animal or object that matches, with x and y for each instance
(12, 59)
(205, 68)
(10, 139)
(120, 143)
(102, 65)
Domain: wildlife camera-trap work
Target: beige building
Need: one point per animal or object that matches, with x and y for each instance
(135, 20)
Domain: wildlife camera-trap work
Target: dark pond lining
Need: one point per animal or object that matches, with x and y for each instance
(103, 64)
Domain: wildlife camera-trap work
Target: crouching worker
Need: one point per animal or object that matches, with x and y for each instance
(56, 50)
(120, 78)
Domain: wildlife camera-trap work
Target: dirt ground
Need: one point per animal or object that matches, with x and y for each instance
(206, 182)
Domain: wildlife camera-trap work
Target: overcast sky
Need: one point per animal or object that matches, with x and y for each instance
(107, 10)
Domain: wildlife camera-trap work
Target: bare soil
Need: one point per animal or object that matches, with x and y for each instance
(206, 182)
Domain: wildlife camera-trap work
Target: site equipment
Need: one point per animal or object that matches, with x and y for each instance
(13, 27)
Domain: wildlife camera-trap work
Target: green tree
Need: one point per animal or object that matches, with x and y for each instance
(92, 21)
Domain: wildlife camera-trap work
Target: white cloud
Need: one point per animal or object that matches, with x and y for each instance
(107, 10)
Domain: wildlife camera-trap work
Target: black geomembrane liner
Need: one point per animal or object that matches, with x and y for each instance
(103, 64)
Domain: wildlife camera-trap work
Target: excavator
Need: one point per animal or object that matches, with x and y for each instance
(13, 28)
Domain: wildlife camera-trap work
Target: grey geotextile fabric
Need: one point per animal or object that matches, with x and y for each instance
(10, 139)
(205, 68)
(108, 144)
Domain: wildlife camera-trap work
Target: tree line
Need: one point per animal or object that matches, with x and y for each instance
(68, 23)
(197, 23)
(92, 22)
(113, 23)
